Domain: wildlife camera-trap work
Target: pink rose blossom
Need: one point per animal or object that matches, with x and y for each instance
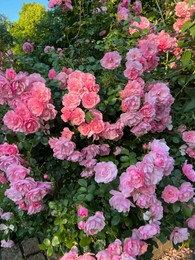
(28, 47)
(81, 225)
(90, 100)
(105, 172)
(111, 60)
(170, 194)
(186, 192)
(77, 116)
(188, 171)
(94, 224)
(7, 244)
(82, 212)
(179, 235)
(191, 222)
(148, 231)
(120, 202)
(137, 7)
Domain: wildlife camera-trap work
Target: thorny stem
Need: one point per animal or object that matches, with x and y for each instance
(160, 11)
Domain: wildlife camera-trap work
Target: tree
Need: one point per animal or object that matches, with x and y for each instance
(6, 39)
(24, 29)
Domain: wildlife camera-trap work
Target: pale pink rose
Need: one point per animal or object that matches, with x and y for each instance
(133, 54)
(49, 112)
(186, 192)
(19, 84)
(111, 60)
(118, 150)
(13, 194)
(77, 117)
(123, 14)
(35, 207)
(27, 47)
(134, 247)
(13, 121)
(191, 152)
(149, 49)
(67, 133)
(125, 256)
(177, 26)
(90, 100)
(62, 77)
(71, 255)
(6, 161)
(31, 125)
(115, 247)
(141, 129)
(35, 106)
(10, 74)
(7, 244)
(131, 104)
(104, 255)
(148, 231)
(36, 194)
(143, 24)
(105, 172)
(82, 212)
(179, 235)
(87, 173)
(170, 194)
(191, 222)
(137, 7)
(41, 92)
(131, 118)
(134, 69)
(94, 224)
(97, 126)
(7, 215)
(22, 110)
(16, 172)
(81, 225)
(63, 148)
(35, 77)
(182, 9)
(23, 186)
(88, 163)
(189, 137)
(148, 112)
(188, 171)
(156, 209)
(120, 202)
(71, 101)
(90, 151)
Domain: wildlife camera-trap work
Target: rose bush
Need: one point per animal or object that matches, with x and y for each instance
(109, 138)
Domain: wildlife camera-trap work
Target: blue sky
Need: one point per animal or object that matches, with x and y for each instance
(10, 8)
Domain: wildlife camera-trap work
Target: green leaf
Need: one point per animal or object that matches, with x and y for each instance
(88, 116)
(50, 251)
(55, 241)
(192, 31)
(82, 182)
(162, 238)
(42, 247)
(124, 158)
(186, 58)
(190, 105)
(89, 197)
(187, 211)
(176, 208)
(186, 26)
(85, 241)
(115, 220)
(47, 242)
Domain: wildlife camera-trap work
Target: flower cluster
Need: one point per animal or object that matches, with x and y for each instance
(189, 138)
(146, 111)
(139, 182)
(6, 228)
(123, 10)
(66, 5)
(29, 99)
(64, 149)
(24, 191)
(185, 12)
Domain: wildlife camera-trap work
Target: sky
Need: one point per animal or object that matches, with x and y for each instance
(10, 8)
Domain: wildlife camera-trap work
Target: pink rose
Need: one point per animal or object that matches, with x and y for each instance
(105, 172)
(170, 194)
(188, 171)
(35, 106)
(191, 222)
(111, 60)
(119, 202)
(134, 69)
(77, 117)
(81, 225)
(27, 47)
(67, 133)
(86, 256)
(148, 231)
(90, 100)
(94, 224)
(13, 121)
(16, 172)
(10, 74)
(97, 126)
(186, 192)
(104, 255)
(71, 101)
(51, 74)
(31, 125)
(115, 248)
(179, 235)
(7, 244)
(82, 212)
(134, 247)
